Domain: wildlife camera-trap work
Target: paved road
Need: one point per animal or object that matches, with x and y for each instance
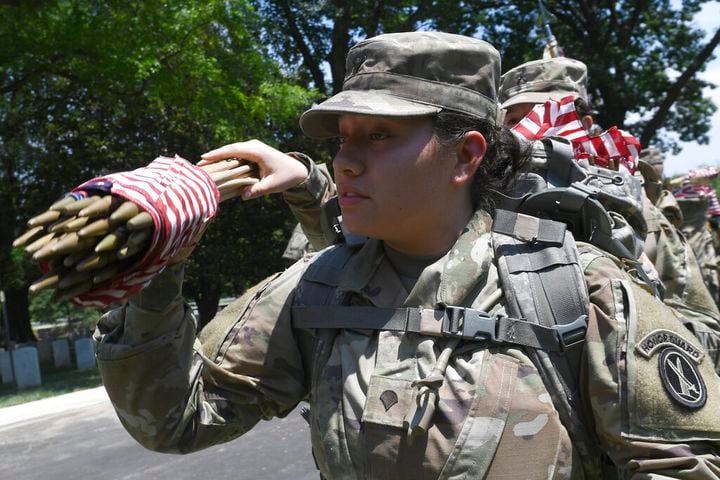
(84, 439)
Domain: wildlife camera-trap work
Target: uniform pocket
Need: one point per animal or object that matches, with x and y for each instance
(388, 400)
(390, 394)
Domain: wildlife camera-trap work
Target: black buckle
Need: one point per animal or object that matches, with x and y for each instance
(469, 324)
(571, 334)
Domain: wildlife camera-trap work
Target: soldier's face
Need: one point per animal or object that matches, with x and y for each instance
(515, 113)
(393, 180)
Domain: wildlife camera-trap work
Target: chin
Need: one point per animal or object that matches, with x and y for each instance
(364, 228)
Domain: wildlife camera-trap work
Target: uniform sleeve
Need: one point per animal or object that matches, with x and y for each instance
(306, 199)
(175, 391)
(632, 363)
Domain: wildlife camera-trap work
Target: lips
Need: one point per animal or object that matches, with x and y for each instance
(348, 196)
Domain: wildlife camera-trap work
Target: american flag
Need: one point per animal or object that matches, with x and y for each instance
(182, 200)
(690, 189)
(559, 119)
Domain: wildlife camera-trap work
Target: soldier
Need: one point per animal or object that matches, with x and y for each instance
(674, 258)
(538, 81)
(668, 256)
(698, 202)
(402, 343)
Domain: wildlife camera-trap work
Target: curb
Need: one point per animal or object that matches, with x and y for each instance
(11, 416)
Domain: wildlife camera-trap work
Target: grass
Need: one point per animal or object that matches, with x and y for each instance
(54, 382)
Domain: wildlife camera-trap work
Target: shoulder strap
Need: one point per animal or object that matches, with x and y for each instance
(556, 295)
(544, 283)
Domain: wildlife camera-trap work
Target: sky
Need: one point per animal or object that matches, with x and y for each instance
(693, 154)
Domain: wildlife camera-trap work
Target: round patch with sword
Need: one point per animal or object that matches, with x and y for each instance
(681, 378)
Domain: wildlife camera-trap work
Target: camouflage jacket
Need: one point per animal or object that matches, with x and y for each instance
(177, 391)
(695, 229)
(680, 274)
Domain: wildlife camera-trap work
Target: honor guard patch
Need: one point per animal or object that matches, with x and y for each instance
(681, 378)
(661, 338)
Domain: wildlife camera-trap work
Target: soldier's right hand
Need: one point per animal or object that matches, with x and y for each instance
(278, 171)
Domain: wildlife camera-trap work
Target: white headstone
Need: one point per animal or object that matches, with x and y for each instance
(84, 353)
(27, 367)
(5, 367)
(61, 353)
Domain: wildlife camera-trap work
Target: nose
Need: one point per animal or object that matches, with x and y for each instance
(348, 161)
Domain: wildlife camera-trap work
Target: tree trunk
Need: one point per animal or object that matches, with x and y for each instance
(16, 295)
(19, 315)
(340, 45)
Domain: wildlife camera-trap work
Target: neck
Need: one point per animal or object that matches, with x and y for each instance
(439, 239)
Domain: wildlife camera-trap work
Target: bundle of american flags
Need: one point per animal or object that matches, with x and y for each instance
(182, 200)
(693, 188)
(560, 119)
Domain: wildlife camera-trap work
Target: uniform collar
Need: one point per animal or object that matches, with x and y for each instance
(454, 279)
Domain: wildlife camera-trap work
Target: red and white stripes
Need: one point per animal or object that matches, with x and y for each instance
(182, 200)
(559, 119)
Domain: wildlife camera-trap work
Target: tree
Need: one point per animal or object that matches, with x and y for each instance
(90, 88)
(643, 56)
(314, 37)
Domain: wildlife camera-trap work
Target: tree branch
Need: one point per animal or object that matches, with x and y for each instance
(340, 44)
(308, 58)
(416, 15)
(374, 23)
(674, 92)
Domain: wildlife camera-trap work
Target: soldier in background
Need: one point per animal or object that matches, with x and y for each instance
(538, 81)
(698, 203)
(667, 256)
(674, 258)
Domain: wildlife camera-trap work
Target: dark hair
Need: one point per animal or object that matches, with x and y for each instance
(505, 158)
(582, 107)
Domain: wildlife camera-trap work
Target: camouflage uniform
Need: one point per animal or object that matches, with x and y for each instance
(695, 228)
(674, 259)
(698, 201)
(541, 80)
(308, 235)
(178, 391)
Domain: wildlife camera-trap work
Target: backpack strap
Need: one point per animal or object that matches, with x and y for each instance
(544, 283)
(556, 296)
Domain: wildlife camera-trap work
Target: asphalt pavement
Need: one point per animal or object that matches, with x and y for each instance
(78, 435)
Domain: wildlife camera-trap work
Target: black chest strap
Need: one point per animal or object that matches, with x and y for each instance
(451, 322)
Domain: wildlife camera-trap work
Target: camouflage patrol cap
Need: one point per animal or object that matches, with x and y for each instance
(541, 80)
(412, 74)
(653, 156)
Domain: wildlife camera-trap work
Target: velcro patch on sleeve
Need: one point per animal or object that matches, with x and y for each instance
(673, 394)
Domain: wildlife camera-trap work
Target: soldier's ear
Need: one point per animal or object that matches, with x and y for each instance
(470, 154)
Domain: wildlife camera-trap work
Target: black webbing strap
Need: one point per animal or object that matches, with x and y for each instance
(453, 322)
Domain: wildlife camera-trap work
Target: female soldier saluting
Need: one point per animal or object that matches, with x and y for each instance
(376, 334)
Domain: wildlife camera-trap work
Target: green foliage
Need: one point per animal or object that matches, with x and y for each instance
(634, 52)
(42, 310)
(54, 382)
(90, 88)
